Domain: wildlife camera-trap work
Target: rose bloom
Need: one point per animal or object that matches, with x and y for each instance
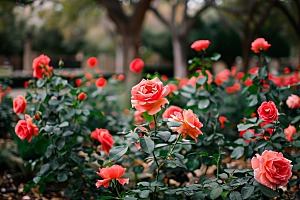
(237, 86)
(293, 101)
(19, 104)
(105, 138)
(200, 45)
(8, 89)
(233, 71)
(164, 78)
(92, 62)
(291, 130)
(183, 82)
(230, 90)
(173, 87)
(111, 173)
(191, 124)
(64, 74)
(36, 117)
(37, 64)
(3, 93)
(222, 120)
(88, 75)
(148, 96)
(78, 82)
(82, 96)
(138, 119)
(271, 169)
(287, 70)
(25, 129)
(238, 76)
(121, 77)
(171, 111)
(101, 82)
(137, 65)
(268, 111)
(259, 44)
(71, 76)
(222, 76)
(26, 84)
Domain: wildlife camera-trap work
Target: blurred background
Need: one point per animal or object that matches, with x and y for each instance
(158, 31)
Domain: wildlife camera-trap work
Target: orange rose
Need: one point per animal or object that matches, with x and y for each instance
(111, 173)
(25, 129)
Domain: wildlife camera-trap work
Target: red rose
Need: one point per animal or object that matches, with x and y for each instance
(271, 169)
(230, 90)
(148, 96)
(78, 82)
(268, 111)
(293, 102)
(8, 89)
(38, 63)
(101, 82)
(291, 130)
(82, 96)
(222, 120)
(222, 76)
(92, 62)
(121, 77)
(287, 70)
(19, 104)
(71, 76)
(170, 111)
(259, 44)
(26, 84)
(3, 93)
(88, 75)
(25, 129)
(164, 78)
(200, 45)
(111, 173)
(103, 136)
(136, 65)
(233, 71)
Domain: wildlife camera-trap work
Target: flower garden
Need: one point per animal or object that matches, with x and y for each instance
(180, 139)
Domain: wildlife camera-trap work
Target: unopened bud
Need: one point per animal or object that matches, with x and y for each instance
(39, 112)
(61, 63)
(36, 117)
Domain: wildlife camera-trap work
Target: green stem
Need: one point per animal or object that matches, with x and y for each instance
(115, 183)
(203, 60)
(218, 161)
(173, 146)
(155, 132)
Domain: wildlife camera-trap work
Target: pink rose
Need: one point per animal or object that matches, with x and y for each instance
(25, 129)
(291, 130)
(148, 96)
(19, 104)
(259, 44)
(293, 102)
(191, 124)
(103, 136)
(38, 63)
(271, 169)
(268, 111)
(200, 45)
(170, 111)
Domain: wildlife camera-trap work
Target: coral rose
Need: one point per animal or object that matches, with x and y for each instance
(92, 62)
(121, 77)
(38, 64)
(268, 111)
(271, 169)
(259, 44)
(103, 136)
(171, 111)
(88, 75)
(82, 96)
(148, 96)
(183, 82)
(191, 124)
(293, 102)
(137, 65)
(25, 129)
(19, 104)
(291, 130)
(222, 120)
(111, 173)
(200, 45)
(101, 82)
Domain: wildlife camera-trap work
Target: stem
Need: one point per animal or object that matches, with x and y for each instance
(203, 60)
(173, 146)
(155, 132)
(155, 129)
(218, 159)
(115, 183)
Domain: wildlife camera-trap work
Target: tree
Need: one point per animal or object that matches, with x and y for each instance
(180, 33)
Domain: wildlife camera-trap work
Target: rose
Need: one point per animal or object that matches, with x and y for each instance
(82, 96)
(289, 132)
(19, 104)
(78, 82)
(173, 87)
(25, 129)
(170, 111)
(111, 173)
(200, 45)
(92, 62)
(121, 77)
(183, 82)
(38, 63)
(190, 124)
(271, 169)
(222, 120)
(268, 111)
(222, 76)
(259, 44)
(293, 102)
(88, 75)
(148, 96)
(101, 82)
(103, 136)
(136, 65)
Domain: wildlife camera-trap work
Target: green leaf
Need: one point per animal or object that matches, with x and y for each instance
(64, 124)
(179, 163)
(60, 143)
(247, 191)
(69, 191)
(68, 133)
(132, 137)
(215, 56)
(192, 66)
(204, 103)
(86, 112)
(296, 166)
(48, 152)
(243, 127)
(61, 177)
(248, 135)
(237, 153)
(216, 192)
(40, 83)
(199, 195)
(144, 194)
(296, 144)
(189, 89)
(56, 81)
(107, 197)
(44, 169)
(174, 124)
(254, 100)
(147, 117)
(53, 102)
(147, 145)
(201, 80)
(268, 191)
(235, 195)
(164, 135)
(117, 152)
(97, 113)
(42, 187)
(36, 179)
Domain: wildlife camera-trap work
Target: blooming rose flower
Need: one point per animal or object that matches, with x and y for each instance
(271, 169)
(291, 130)
(137, 65)
(148, 96)
(230, 90)
(36, 117)
(233, 71)
(92, 62)
(222, 76)
(287, 70)
(111, 173)
(173, 87)
(88, 75)
(25, 129)
(78, 82)
(293, 101)
(170, 111)
(101, 82)
(268, 111)
(8, 89)
(237, 86)
(200, 45)
(19, 104)
(164, 78)
(26, 84)
(191, 124)
(238, 76)
(72, 75)
(259, 44)
(103, 136)
(82, 96)
(38, 63)
(121, 77)
(222, 120)
(3, 93)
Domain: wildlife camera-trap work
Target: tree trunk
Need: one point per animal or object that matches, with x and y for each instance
(246, 54)
(180, 56)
